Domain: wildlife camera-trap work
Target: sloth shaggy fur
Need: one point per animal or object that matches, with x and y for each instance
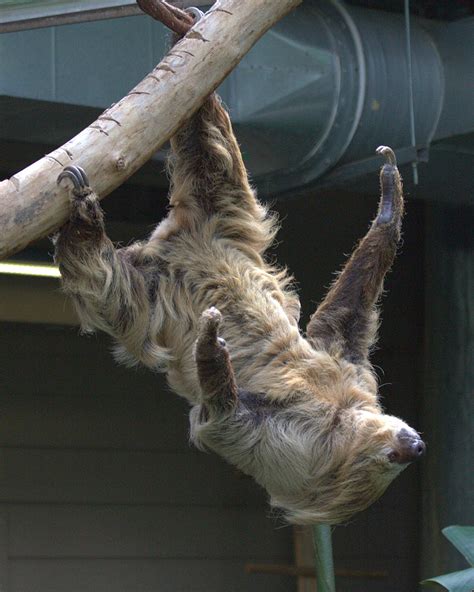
(199, 301)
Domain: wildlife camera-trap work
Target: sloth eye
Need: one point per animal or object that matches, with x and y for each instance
(393, 456)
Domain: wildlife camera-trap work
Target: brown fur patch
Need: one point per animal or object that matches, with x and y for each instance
(299, 415)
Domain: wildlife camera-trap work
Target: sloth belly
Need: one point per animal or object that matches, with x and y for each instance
(191, 274)
(253, 321)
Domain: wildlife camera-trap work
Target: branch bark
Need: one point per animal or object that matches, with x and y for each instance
(174, 18)
(127, 134)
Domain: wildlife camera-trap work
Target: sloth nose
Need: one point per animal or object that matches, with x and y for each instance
(410, 447)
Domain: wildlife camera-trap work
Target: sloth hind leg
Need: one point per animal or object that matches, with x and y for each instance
(347, 320)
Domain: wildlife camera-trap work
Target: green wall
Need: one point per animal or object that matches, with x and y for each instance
(448, 413)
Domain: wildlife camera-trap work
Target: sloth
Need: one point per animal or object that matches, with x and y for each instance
(199, 301)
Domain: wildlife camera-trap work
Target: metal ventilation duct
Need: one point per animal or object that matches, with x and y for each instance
(329, 84)
(312, 100)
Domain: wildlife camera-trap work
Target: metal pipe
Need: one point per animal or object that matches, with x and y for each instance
(310, 103)
(410, 87)
(335, 79)
(324, 563)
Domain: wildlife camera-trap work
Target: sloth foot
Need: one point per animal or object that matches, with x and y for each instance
(391, 186)
(210, 320)
(208, 340)
(388, 154)
(209, 325)
(79, 179)
(216, 377)
(85, 209)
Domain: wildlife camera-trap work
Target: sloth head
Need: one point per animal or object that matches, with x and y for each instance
(319, 464)
(361, 457)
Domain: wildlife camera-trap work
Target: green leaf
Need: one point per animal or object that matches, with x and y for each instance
(458, 581)
(462, 537)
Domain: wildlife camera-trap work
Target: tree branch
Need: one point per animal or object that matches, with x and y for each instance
(127, 134)
(174, 18)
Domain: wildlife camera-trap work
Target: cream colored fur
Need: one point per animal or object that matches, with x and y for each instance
(313, 433)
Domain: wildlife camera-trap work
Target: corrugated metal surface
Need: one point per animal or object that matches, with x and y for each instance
(322, 89)
(91, 64)
(99, 489)
(448, 408)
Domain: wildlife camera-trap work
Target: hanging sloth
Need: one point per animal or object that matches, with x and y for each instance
(199, 301)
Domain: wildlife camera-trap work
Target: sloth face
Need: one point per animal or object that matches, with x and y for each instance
(355, 469)
(317, 464)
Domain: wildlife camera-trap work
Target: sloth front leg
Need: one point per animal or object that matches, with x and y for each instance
(215, 373)
(108, 292)
(346, 321)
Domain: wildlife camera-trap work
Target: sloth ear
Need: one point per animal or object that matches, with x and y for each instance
(215, 373)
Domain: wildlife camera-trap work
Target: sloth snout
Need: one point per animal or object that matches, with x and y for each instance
(410, 448)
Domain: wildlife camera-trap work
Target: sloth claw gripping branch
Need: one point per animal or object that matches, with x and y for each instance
(199, 301)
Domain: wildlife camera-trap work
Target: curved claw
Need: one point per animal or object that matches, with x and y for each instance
(391, 205)
(388, 154)
(82, 172)
(208, 330)
(215, 373)
(76, 174)
(211, 318)
(195, 13)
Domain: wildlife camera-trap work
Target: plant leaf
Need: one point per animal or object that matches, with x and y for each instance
(458, 581)
(462, 537)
